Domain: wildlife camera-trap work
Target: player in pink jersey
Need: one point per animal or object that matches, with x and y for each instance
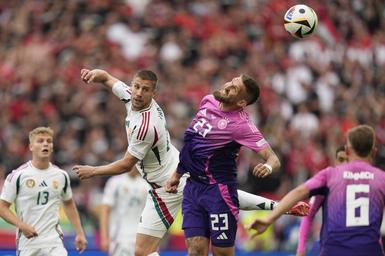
(210, 204)
(316, 203)
(354, 200)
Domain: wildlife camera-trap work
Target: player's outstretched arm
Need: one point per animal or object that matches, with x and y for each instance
(11, 218)
(306, 224)
(98, 76)
(294, 196)
(120, 166)
(73, 216)
(271, 163)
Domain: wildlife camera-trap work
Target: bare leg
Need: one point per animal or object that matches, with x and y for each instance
(198, 246)
(223, 251)
(146, 244)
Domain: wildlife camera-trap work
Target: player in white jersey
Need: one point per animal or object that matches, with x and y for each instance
(123, 201)
(150, 149)
(38, 188)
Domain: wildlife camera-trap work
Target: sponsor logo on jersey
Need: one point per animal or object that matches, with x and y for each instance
(30, 183)
(55, 184)
(222, 124)
(43, 184)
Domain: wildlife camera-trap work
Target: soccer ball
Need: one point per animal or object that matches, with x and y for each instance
(300, 21)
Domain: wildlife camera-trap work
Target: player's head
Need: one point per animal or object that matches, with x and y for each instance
(240, 91)
(341, 156)
(361, 140)
(41, 142)
(143, 87)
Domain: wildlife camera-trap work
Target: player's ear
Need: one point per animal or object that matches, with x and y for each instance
(346, 150)
(242, 103)
(374, 152)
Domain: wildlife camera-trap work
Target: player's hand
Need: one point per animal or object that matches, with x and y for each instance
(104, 244)
(300, 254)
(80, 243)
(84, 171)
(261, 171)
(95, 75)
(173, 183)
(299, 209)
(28, 231)
(259, 225)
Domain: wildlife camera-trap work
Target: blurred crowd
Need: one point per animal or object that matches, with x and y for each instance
(313, 90)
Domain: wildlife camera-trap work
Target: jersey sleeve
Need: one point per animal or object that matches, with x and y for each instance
(109, 192)
(11, 187)
(67, 191)
(122, 91)
(142, 138)
(249, 136)
(318, 183)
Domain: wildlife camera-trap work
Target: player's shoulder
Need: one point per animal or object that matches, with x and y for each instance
(59, 171)
(14, 174)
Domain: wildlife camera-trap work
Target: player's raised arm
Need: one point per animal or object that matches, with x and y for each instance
(98, 76)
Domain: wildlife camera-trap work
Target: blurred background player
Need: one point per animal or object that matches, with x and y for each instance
(316, 203)
(123, 201)
(354, 200)
(38, 188)
(210, 200)
(149, 147)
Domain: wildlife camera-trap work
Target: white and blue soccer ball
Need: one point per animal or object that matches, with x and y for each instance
(300, 21)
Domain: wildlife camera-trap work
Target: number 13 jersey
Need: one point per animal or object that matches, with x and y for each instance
(37, 195)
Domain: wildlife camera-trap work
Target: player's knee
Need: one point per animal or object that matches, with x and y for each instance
(143, 251)
(196, 251)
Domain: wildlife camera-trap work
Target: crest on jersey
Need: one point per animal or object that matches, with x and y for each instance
(222, 124)
(55, 184)
(30, 183)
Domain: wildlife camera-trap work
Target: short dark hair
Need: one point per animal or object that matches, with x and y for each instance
(252, 89)
(362, 139)
(339, 149)
(147, 75)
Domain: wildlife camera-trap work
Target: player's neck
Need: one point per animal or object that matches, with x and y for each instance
(228, 108)
(355, 157)
(41, 164)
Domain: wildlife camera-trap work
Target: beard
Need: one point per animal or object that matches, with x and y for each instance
(220, 96)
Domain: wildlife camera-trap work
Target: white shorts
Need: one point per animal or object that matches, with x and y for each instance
(50, 251)
(160, 210)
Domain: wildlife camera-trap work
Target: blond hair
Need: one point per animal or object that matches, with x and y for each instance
(362, 138)
(40, 130)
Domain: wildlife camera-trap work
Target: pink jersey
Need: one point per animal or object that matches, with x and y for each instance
(213, 140)
(353, 208)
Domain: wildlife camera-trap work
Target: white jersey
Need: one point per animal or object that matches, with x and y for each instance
(126, 196)
(37, 195)
(148, 139)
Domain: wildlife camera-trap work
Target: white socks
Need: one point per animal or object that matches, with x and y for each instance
(248, 201)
